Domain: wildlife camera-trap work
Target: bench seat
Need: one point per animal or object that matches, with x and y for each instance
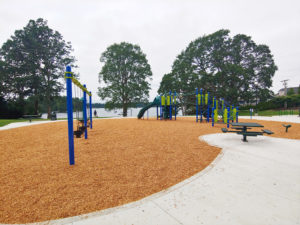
(224, 130)
(240, 128)
(267, 131)
(250, 133)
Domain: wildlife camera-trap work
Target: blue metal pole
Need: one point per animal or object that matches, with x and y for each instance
(91, 110)
(215, 103)
(201, 102)
(175, 102)
(228, 116)
(232, 107)
(207, 118)
(70, 115)
(197, 105)
(160, 108)
(213, 117)
(237, 114)
(170, 105)
(84, 113)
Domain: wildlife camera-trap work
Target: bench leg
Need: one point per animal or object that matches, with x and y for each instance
(244, 138)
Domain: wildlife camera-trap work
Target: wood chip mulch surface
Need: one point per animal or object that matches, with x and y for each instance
(123, 160)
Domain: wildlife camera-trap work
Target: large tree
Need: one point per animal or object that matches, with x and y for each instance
(34, 62)
(235, 68)
(124, 77)
(3, 85)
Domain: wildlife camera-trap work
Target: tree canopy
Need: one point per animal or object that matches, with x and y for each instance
(290, 91)
(33, 62)
(235, 68)
(125, 76)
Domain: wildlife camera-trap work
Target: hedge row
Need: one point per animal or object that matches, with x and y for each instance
(276, 103)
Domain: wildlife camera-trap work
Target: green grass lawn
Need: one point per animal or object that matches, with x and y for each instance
(269, 112)
(4, 122)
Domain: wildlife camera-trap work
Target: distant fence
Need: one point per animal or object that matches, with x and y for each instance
(290, 111)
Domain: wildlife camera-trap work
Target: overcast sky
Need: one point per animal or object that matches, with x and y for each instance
(162, 28)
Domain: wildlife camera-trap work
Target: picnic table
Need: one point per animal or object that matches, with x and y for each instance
(243, 129)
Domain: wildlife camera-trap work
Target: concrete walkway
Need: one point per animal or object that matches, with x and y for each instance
(257, 182)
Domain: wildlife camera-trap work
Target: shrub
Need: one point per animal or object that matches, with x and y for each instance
(9, 110)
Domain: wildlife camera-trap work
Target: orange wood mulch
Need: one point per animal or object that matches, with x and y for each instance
(122, 161)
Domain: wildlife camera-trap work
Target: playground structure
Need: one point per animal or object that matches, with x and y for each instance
(82, 122)
(212, 109)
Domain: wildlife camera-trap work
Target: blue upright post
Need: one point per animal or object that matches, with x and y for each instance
(70, 114)
(207, 118)
(228, 116)
(237, 114)
(161, 114)
(175, 104)
(170, 105)
(91, 114)
(213, 117)
(231, 108)
(201, 102)
(215, 103)
(84, 113)
(197, 105)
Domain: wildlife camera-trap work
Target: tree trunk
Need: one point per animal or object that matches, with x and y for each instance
(49, 111)
(21, 103)
(48, 106)
(125, 107)
(48, 96)
(183, 107)
(36, 106)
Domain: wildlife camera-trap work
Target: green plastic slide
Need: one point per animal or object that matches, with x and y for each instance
(153, 104)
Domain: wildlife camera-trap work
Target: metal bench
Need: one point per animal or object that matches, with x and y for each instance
(224, 130)
(252, 133)
(267, 131)
(240, 128)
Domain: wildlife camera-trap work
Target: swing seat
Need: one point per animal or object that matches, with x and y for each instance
(82, 128)
(77, 133)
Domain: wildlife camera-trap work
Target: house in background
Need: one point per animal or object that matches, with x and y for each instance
(283, 91)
